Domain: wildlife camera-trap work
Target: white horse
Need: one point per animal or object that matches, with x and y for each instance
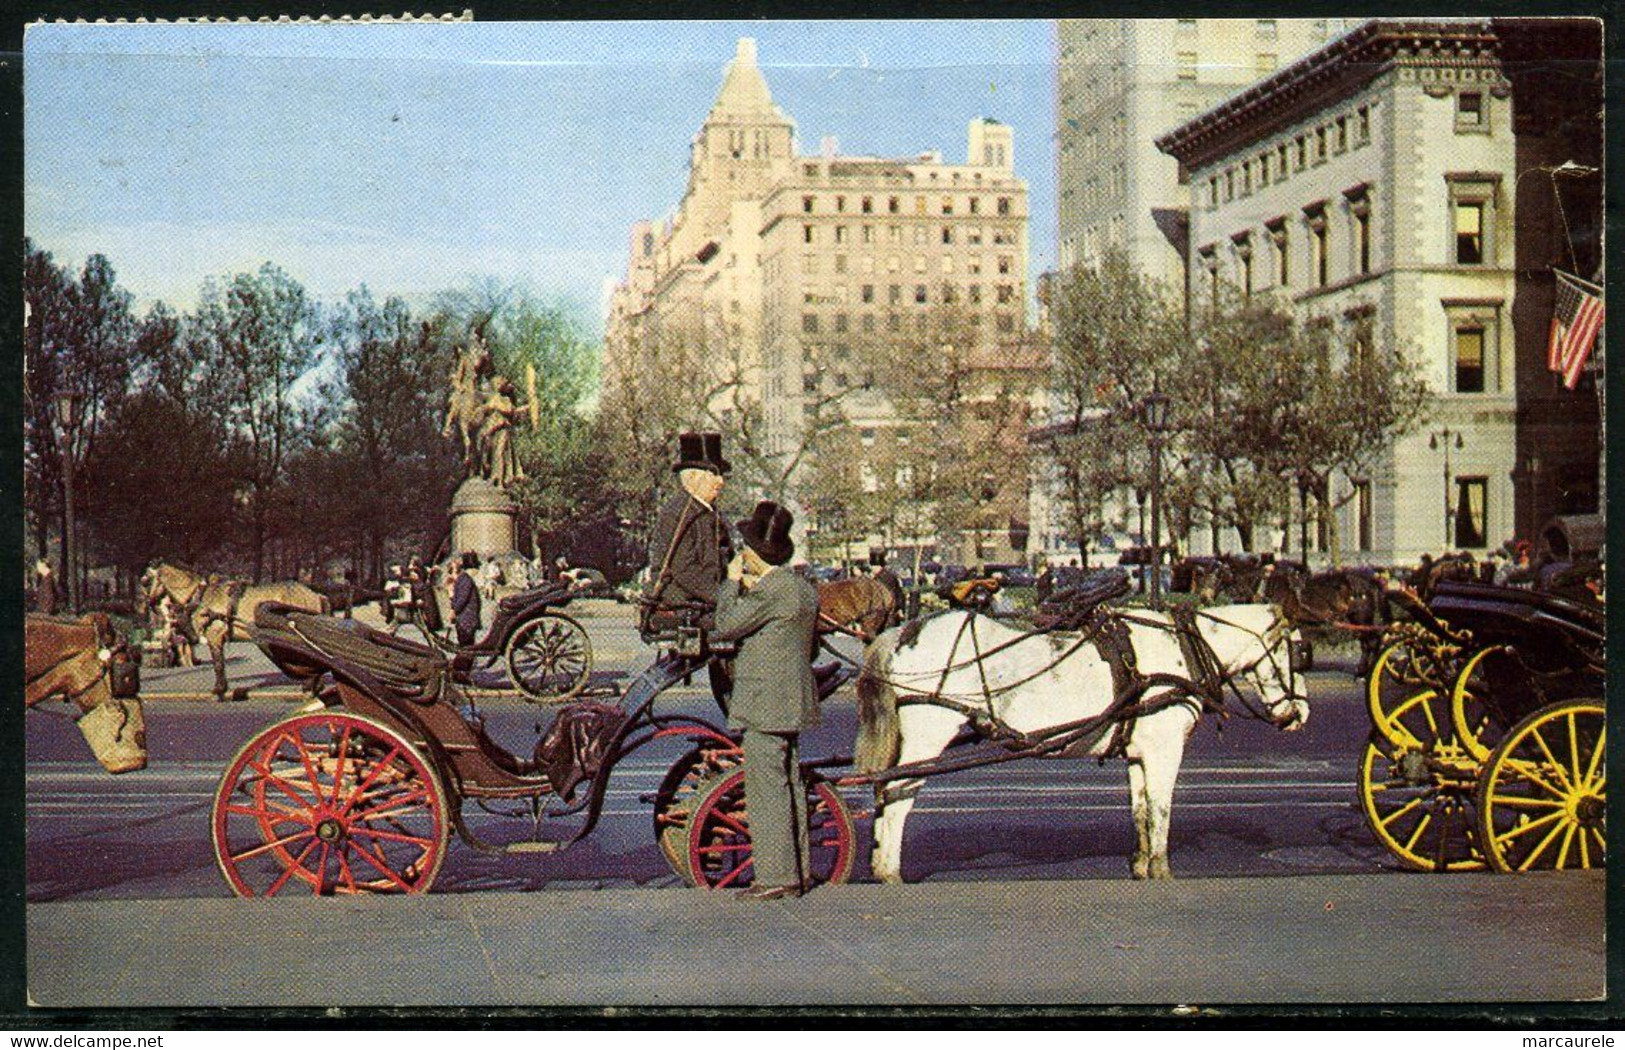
(913, 700)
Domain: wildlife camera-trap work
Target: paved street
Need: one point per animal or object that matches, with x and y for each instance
(1021, 891)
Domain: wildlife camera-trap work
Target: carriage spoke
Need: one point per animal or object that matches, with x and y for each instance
(346, 873)
(1526, 770)
(734, 873)
(1555, 765)
(1529, 861)
(1416, 835)
(298, 865)
(392, 836)
(726, 847)
(738, 824)
(381, 864)
(372, 776)
(1596, 756)
(270, 814)
(1568, 840)
(1524, 829)
(338, 771)
(394, 806)
(1401, 811)
(274, 844)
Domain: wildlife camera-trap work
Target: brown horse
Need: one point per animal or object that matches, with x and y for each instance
(862, 606)
(85, 663)
(223, 610)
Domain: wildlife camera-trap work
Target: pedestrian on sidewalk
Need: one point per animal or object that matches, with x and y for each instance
(773, 614)
(465, 598)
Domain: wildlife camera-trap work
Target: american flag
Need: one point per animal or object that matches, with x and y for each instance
(1576, 320)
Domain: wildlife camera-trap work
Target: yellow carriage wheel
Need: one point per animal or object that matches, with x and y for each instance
(1469, 716)
(1543, 798)
(1416, 801)
(1395, 677)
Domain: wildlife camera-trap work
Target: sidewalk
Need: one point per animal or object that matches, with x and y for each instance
(1386, 938)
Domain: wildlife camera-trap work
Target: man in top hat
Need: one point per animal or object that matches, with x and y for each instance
(690, 547)
(773, 614)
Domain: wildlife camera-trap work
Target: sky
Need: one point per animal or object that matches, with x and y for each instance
(412, 157)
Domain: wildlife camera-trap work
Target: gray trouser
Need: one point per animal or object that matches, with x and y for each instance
(777, 803)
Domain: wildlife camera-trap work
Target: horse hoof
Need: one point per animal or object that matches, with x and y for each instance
(1160, 871)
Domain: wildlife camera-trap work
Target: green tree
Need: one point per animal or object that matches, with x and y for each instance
(255, 335)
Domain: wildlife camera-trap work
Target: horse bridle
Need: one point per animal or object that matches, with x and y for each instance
(1269, 639)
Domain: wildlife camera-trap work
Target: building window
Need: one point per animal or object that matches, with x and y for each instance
(947, 205)
(1283, 255)
(975, 293)
(1469, 222)
(807, 234)
(1320, 144)
(1004, 263)
(868, 293)
(1471, 528)
(1266, 28)
(1263, 171)
(947, 292)
(894, 294)
(1303, 152)
(892, 205)
(840, 322)
(868, 205)
(809, 322)
(1319, 256)
(1213, 192)
(1004, 206)
(1186, 61)
(1265, 62)
(1006, 323)
(1246, 178)
(840, 235)
(974, 202)
(1474, 332)
(1187, 27)
(1469, 346)
(1362, 126)
(1340, 139)
(1242, 245)
(1229, 185)
(1362, 514)
(868, 235)
(1470, 115)
(919, 206)
(807, 203)
(947, 235)
(919, 293)
(1360, 213)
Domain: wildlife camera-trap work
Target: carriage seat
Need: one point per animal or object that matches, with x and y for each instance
(346, 647)
(547, 593)
(1069, 608)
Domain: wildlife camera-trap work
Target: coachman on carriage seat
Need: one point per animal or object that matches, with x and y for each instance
(690, 546)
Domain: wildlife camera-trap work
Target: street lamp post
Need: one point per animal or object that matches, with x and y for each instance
(1156, 422)
(67, 417)
(1441, 438)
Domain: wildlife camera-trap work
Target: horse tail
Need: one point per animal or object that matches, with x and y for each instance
(879, 738)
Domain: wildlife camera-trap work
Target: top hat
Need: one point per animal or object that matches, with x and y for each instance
(701, 452)
(767, 532)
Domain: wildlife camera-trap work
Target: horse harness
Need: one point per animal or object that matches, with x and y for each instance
(1109, 631)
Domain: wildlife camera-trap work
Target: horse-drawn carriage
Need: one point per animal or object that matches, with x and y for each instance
(1488, 732)
(360, 794)
(548, 653)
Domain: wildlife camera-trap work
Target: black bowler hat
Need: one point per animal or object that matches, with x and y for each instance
(767, 532)
(701, 452)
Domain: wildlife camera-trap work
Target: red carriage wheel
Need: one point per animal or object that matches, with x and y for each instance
(719, 834)
(679, 792)
(329, 802)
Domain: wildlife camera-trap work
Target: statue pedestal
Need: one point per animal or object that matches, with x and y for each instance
(482, 521)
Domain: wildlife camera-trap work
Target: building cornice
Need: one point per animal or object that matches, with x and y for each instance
(1334, 72)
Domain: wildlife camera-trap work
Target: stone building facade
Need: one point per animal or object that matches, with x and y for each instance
(1123, 82)
(1373, 183)
(784, 267)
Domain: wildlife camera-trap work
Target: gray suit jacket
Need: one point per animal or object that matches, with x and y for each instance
(774, 623)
